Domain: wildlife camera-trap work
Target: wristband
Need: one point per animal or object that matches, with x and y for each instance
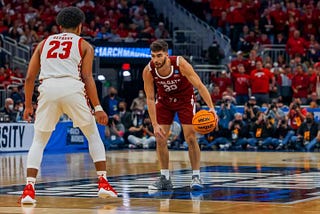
(98, 108)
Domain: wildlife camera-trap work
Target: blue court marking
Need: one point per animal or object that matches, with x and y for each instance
(222, 183)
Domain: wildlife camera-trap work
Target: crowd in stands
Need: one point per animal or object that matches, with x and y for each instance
(29, 22)
(277, 95)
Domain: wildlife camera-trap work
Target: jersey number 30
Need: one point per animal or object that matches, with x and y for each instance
(55, 51)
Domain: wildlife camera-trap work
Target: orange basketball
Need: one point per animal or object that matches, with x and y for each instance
(204, 122)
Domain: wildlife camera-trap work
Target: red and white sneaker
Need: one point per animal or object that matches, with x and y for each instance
(105, 189)
(28, 195)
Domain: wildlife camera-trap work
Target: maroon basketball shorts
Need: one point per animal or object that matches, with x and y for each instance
(166, 112)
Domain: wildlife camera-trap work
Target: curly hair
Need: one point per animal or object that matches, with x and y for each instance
(70, 17)
(159, 45)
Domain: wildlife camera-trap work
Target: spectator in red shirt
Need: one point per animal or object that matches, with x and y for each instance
(216, 95)
(263, 39)
(241, 83)
(122, 31)
(279, 17)
(300, 84)
(217, 7)
(260, 83)
(236, 21)
(296, 115)
(223, 81)
(253, 59)
(222, 25)
(296, 45)
(315, 80)
(237, 61)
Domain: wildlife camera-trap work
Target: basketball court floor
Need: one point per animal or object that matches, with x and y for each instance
(235, 182)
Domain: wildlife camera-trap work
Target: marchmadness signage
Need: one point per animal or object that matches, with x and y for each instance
(111, 53)
(15, 136)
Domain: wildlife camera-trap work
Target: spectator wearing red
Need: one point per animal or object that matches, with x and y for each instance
(252, 60)
(241, 84)
(236, 21)
(122, 31)
(293, 11)
(296, 45)
(250, 40)
(292, 26)
(308, 16)
(300, 84)
(223, 81)
(264, 40)
(133, 30)
(88, 7)
(148, 31)
(237, 61)
(217, 6)
(47, 16)
(222, 24)
(88, 32)
(316, 14)
(251, 11)
(309, 30)
(279, 17)
(296, 114)
(260, 79)
(315, 80)
(216, 95)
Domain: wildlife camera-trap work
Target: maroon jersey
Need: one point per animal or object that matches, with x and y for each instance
(173, 86)
(174, 94)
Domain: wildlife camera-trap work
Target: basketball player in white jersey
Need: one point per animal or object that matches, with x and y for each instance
(65, 64)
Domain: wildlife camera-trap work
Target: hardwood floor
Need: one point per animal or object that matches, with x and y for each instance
(235, 182)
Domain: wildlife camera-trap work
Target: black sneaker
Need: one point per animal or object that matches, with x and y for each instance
(161, 184)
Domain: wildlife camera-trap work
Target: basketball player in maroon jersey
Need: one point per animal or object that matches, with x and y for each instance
(174, 78)
(64, 64)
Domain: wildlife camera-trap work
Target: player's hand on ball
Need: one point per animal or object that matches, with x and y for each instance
(101, 117)
(213, 111)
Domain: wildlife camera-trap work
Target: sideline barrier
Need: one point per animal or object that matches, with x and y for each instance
(17, 137)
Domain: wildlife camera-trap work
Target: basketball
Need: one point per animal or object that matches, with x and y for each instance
(204, 122)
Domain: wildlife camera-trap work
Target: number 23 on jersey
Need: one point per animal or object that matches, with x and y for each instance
(56, 52)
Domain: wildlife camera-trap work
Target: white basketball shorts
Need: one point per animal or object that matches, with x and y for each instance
(58, 96)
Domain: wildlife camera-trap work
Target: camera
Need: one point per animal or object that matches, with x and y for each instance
(111, 120)
(294, 106)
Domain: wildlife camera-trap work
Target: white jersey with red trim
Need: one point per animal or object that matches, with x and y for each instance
(61, 57)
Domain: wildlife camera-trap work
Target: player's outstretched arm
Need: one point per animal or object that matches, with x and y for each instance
(188, 71)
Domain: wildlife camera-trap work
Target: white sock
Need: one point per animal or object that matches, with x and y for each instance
(102, 173)
(31, 180)
(196, 172)
(165, 172)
